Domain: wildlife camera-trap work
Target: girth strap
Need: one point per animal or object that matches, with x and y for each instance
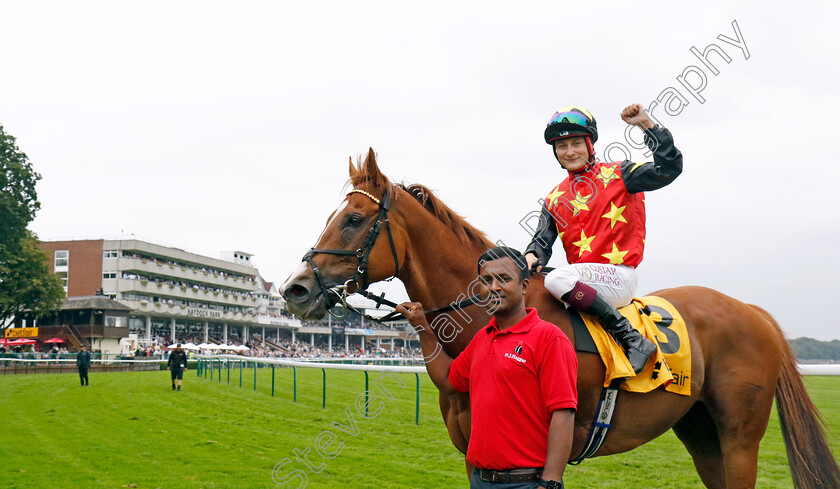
(602, 423)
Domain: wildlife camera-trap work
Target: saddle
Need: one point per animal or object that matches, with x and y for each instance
(659, 321)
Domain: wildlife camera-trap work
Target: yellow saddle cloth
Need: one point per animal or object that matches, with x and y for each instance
(661, 323)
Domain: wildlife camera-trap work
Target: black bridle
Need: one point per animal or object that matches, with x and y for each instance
(358, 283)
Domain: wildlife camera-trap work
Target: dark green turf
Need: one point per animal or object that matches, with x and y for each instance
(130, 428)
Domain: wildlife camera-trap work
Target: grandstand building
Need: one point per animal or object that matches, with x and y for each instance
(174, 293)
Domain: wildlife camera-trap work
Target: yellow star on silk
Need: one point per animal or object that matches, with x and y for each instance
(579, 203)
(615, 257)
(553, 196)
(584, 243)
(607, 175)
(614, 215)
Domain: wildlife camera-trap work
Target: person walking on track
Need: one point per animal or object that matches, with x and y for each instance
(176, 364)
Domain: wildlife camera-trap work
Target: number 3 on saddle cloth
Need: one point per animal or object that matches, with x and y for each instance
(659, 321)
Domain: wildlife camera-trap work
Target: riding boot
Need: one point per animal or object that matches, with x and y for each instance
(638, 348)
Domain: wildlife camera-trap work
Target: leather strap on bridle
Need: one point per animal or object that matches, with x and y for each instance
(358, 284)
(359, 280)
(395, 316)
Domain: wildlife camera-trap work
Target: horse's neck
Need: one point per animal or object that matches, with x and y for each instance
(438, 271)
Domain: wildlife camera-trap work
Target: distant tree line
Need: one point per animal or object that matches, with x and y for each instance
(26, 283)
(811, 349)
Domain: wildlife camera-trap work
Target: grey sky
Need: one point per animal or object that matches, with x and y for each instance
(217, 125)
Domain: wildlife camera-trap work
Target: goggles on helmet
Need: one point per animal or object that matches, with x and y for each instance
(572, 117)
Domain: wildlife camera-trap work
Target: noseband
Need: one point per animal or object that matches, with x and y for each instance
(358, 283)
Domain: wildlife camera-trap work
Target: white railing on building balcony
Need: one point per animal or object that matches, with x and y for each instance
(191, 274)
(192, 292)
(181, 310)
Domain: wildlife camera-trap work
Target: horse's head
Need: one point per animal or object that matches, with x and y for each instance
(358, 246)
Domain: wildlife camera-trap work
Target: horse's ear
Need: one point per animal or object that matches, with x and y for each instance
(370, 165)
(353, 170)
(372, 170)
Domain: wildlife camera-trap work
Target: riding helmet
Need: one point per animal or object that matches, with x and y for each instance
(569, 122)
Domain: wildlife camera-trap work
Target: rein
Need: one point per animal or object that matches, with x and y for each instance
(395, 316)
(358, 283)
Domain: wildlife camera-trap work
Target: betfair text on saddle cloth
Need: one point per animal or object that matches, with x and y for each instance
(598, 212)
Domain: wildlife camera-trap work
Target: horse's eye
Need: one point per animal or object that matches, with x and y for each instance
(354, 221)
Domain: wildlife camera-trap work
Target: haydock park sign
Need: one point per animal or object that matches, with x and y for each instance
(21, 332)
(204, 313)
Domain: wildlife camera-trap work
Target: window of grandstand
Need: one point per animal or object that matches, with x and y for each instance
(110, 254)
(109, 274)
(62, 258)
(126, 296)
(116, 321)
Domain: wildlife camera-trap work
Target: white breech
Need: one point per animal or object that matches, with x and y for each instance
(615, 283)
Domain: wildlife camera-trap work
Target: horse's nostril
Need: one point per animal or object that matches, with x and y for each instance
(297, 292)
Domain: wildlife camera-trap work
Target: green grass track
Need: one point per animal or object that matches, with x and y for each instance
(131, 430)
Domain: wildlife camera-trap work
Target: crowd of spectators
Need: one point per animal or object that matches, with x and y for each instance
(284, 348)
(158, 348)
(337, 323)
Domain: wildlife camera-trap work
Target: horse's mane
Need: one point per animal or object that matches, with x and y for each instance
(465, 231)
(367, 173)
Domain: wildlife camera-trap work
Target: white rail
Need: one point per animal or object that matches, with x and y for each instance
(310, 364)
(830, 369)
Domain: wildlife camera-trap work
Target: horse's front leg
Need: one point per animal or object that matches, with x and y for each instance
(455, 409)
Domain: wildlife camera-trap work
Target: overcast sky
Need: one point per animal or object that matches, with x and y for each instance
(227, 125)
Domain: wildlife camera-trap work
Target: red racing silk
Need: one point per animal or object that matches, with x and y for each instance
(597, 219)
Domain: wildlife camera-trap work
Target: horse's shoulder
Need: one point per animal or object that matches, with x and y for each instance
(548, 307)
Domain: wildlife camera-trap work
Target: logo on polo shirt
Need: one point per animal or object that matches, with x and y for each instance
(515, 355)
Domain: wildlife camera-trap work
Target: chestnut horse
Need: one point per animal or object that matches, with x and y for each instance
(740, 358)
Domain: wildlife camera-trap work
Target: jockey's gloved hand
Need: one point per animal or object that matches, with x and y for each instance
(536, 266)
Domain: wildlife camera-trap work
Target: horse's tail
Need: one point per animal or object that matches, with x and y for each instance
(812, 465)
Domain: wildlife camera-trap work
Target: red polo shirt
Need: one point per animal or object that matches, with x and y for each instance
(516, 378)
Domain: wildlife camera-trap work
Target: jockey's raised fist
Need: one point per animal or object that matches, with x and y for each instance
(635, 114)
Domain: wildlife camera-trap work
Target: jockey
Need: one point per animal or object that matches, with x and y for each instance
(598, 212)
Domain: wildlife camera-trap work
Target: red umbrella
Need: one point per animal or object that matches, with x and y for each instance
(54, 340)
(21, 341)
